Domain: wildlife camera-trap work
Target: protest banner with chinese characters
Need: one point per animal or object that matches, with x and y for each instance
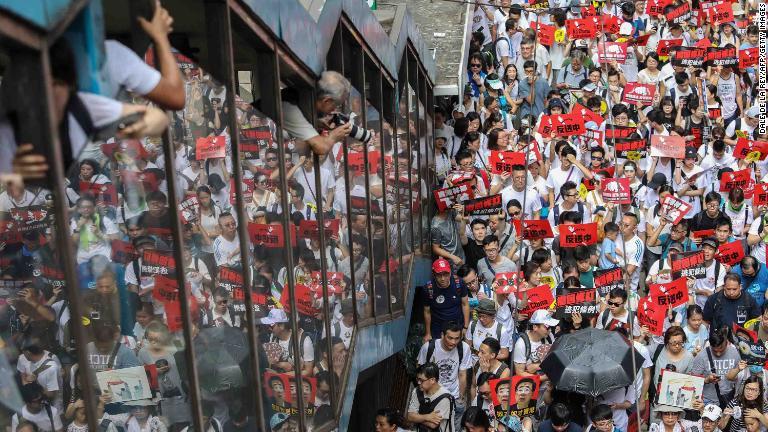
(230, 279)
(268, 235)
(674, 209)
(335, 282)
(746, 148)
(689, 56)
(447, 197)
(165, 290)
(740, 178)
(636, 92)
(670, 295)
(730, 253)
(581, 28)
(210, 147)
(588, 115)
(656, 7)
(539, 297)
(502, 161)
(30, 218)
(630, 149)
(722, 56)
(309, 229)
(155, 262)
(562, 125)
(608, 279)
(581, 301)
(751, 349)
(534, 229)
(123, 252)
(305, 300)
(483, 206)
(668, 146)
(253, 140)
(509, 398)
(545, 33)
(679, 14)
(689, 264)
(760, 197)
(665, 46)
(616, 190)
(189, 209)
(613, 51)
(578, 234)
(651, 315)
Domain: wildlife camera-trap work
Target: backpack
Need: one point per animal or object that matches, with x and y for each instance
(527, 342)
(428, 407)
(604, 319)
(497, 61)
(580, 211)
(473, 325)
(431, 292)
(104, 426)
(431, 351)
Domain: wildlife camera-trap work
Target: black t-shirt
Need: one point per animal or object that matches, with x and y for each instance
(473, 253)
(702, 221)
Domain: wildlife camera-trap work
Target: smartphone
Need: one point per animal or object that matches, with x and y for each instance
(110, 130)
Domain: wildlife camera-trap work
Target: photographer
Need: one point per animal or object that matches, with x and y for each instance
(332, 92)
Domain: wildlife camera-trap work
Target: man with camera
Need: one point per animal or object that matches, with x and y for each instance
(332, 92)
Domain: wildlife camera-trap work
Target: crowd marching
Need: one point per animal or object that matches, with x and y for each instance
(603, 170)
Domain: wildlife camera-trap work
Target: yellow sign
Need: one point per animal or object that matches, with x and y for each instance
(583, 191)
(741, 134)
(753, 156)
(603, 107)
(560, 35)
(549, 280)
(86, 321)
(633, 155)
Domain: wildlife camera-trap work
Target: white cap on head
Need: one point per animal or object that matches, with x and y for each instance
(625, 29)
(543, 317)
(712, 412)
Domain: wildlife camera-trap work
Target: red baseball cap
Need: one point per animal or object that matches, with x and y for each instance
(441, 265)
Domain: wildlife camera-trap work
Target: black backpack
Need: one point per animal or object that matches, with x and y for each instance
(431, 351)
(426, 407)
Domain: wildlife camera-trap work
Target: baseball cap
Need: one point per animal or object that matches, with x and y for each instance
(277, 420)
(676, 246)
(441, 265)
(657, 180)
(275, 316)
(625, 29)
(556, 102)
(690, 153)
(754, 111)
(709, 241)
(589, 87)
(542, 317)
(712, 412)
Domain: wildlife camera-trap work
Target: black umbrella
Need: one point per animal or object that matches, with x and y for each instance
(591, 362)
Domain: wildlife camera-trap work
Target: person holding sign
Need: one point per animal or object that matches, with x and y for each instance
(532, 344)
(715, 273)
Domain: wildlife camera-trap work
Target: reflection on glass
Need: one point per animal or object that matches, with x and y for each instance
(412, 136)
(391, 218)
(404, 184)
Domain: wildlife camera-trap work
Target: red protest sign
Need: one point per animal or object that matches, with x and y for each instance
(335, 280)
(506, 283)
(356, 162)
(165, 290)
(231, 280)
(103, 192)
(760, 197)
(679, 14)
(748, 57)
(578, 234)
(268, 235)
(608, 279)
(616, 190)
(689, 264)
(123, 252)
(210, 147)
(702, 234)
(583, 28)
(31, 218)
(656, 7)
(642, 40)
(720, 13)
(674, 209)
(546, 34)
(636, 92)
(730, 253)
(305, 300)
(587, 114)
(740, 178)
(483, 206)
(668, 146)
(581, 301)
(562, 125)
(539, 297)
(502, 161)
(715, 113)
(651, 315)
(456, 194)
(625, 149)
(309, 228)
(666, 45)
(613, 132)
(535, 229)
(613, 51)
(155, 262)
(610, 23)
(746, 146)
(671, 294)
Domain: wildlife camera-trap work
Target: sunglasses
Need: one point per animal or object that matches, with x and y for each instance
(475, 65)
(615, 304)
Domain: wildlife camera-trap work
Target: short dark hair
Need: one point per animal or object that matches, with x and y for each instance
(618, 293)
(478, 221)
(451, 326)
(429, 370)
(490, 239)
(601, 412)
(529, 64)
(610, 227)
(492, 344)
(559, 414)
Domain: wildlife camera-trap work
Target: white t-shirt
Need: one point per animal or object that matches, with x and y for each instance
(558, 177)
(449, 365)
(481, 332)
(102, 111)
(295, 124)
(695, 201)
(125, 69)
(443, 407)
(48, 373)
(40, 419)
(758, 250)
(223, 248)
(307, 181)
(531, 199)
(519, 357)
(633, 255)
(709, 283)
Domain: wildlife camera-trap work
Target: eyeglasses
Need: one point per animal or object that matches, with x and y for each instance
(222, 302)
(604, 423)
(513, 214)
(271, 159)
(675, 343)
(421, 380)
(491, 250)
(475, 65)
(572, 195)
(616, 304)
(597, 158)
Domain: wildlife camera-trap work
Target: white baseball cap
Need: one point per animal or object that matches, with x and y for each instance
(543, 317)
(712, 412)
(275, 316)
(625, 29)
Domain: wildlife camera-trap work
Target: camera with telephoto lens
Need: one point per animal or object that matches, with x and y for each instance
(356, 132)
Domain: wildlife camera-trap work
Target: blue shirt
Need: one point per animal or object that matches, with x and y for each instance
(475, 88)
(755, 285)
(445, 303)
(541, 88)
(665, 240)
(608, 249)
